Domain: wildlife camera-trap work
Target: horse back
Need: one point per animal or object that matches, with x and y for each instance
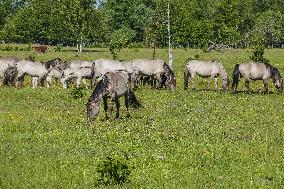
(254, 71)
(148, 67)
(81, 64)
(203, 68)
(118, 83)
(102, 66)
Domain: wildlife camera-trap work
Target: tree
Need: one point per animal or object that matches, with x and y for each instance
(67, 21)
(268, 29)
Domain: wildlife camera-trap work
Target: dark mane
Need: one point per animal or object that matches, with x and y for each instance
(57, 62)
(100, 88)
(275, 74)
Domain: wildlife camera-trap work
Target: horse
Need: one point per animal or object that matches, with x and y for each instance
(102, 66)
(38, 71)
(157, 69)
(257, 71)
(206, 69)
(79, 73)
(112, 85)
(54, 73)
(6, 67)
(80, 64)
(40, 49)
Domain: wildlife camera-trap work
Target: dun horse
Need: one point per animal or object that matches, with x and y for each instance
(112, 85)
(257, 71)
(38, 71)
(156, 69)
(205, 69)
(78, 73)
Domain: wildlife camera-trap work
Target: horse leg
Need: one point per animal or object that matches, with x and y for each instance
(105, 106)
(247, 86)
(78, 81)
(64, 83)
(126, 101)
(41, 81)
(85, 83)
(117, 104)
(19, 79)
(48, 82)
(135, 80)
(34, 82)
(216, 83)
(265, 83)
(209, 83)
(192, 83)
(156, 78)
(113, 97)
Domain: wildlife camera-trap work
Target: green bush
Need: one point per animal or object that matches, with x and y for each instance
(113, 171)
(77, 93)
(119, 39)
(7, 48)
(58, 48)
(257, 54)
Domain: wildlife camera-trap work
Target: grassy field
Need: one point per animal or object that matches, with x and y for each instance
(179, 139)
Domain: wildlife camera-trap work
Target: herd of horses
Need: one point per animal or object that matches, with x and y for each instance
(113, 78)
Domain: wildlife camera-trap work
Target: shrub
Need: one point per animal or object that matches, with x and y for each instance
(113, 171)
(257, 54)
(58, 48)
(77, 93)
(7, 48)
(119, 39)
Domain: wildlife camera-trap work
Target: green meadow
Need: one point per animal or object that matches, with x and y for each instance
(179, 139)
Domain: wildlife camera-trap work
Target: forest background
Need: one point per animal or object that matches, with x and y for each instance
(143, 23)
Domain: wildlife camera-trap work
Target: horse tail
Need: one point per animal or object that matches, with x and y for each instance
(236, 76)
(186, 77)
(133, 101)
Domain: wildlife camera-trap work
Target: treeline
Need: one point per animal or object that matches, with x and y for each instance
(194, 23)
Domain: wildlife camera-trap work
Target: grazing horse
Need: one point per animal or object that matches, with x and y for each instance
(205, 69)
(54, 73)
(80, 64)
(78, 73)
(38, 71)
(112, 85)
(156, 69)
(102, 66)
(6, 67)
(257, 71)
(41, 49)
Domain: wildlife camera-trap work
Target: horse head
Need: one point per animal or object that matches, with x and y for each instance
(171, 82)
(225, 83)
(277, 79)
(279, 84)
(170, 77)
(93, 108)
